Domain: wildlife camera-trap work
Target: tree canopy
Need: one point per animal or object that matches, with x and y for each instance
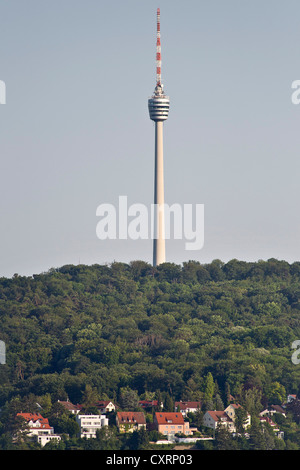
(122, 330)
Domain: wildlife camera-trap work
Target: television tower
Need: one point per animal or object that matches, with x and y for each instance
(158, 106)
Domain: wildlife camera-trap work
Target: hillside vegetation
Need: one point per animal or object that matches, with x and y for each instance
(151, 329)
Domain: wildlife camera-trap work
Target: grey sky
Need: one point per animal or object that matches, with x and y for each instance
(75, 130)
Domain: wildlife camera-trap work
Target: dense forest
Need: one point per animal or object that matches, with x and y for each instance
(164, 330)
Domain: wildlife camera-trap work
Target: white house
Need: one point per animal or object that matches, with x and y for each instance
(186, 407)
(105, 406)
(45, 438)
(39, 428)
(272, 410)
(89, 424)
(291, 398)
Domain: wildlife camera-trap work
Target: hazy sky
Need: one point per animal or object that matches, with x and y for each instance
(75, 130)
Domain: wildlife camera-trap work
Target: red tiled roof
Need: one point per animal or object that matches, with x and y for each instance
(217, 415)
(36, 417)
(131, 417)
(267, 420)
(169, 418)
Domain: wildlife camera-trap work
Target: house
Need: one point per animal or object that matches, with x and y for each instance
(170, 424)
(231, 411)
(148, 404)
(129, 421)
(272, 410)
(291, 398)
(186, 407)
(74, 409)
(89, 424)
(278, 409)
(105, 406)
(213, 419)
(275, 428)
(39, 428)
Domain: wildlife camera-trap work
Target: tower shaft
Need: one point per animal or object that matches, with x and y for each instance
(159, 251)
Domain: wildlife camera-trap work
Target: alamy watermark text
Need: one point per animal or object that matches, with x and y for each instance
(137, 222)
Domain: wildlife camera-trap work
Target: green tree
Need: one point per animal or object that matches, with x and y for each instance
(256, 439)
(252, 401)
(240, 420)
(219, 405)
(89, 396)
(276, 393)
(108, 439)
(129, 399)
(159, 400)
(168, 403)
(209, 387)
(138, 440)
(227, 393)
(224, 439)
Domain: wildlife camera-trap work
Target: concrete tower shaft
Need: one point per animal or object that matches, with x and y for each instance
(159, 250)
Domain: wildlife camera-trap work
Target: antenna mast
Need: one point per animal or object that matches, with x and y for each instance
(158, 51)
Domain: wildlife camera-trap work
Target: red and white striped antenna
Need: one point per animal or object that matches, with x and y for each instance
(158, 51)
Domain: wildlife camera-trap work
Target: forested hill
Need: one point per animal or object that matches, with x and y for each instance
(151, 329)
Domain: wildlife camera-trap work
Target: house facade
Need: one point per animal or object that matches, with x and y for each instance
(39, 428)
(225, 418)
(74, 409)
(170, 424)
(89, 424)
(231, 412)
(272, 410)
(186, 407)
(291, 398)
(213, 419)
(105, 406)
(275, 428)
(129, 421)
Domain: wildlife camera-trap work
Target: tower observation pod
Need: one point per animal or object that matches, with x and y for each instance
(158, 105)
